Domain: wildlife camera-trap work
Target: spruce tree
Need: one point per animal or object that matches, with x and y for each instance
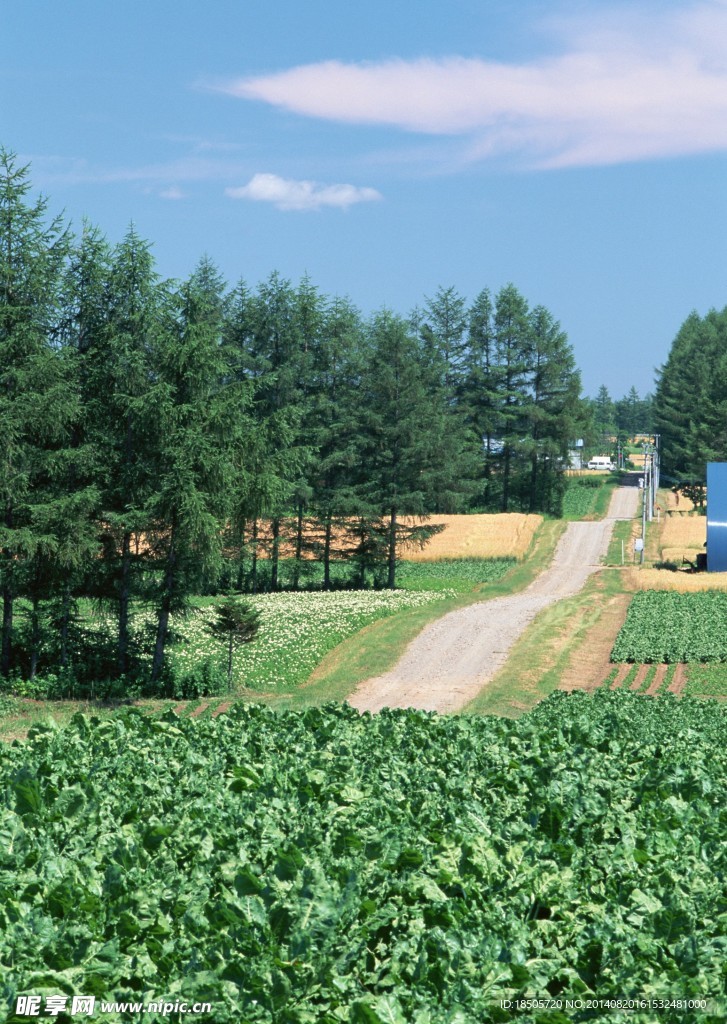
(33, 402)
(514, 352)
(481, 393)
(197, 419)
(555, 412)
(122, 400)
(403, 422)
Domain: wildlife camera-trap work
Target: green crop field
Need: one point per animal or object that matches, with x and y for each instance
(667, 626)
(587, 497)
(324, 867)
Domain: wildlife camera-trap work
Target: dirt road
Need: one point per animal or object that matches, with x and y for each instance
(453, 658)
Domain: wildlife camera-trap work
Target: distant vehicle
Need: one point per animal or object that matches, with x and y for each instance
(602, 462)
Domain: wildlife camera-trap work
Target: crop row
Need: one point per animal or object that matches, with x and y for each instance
(667, 626)
(327, 866)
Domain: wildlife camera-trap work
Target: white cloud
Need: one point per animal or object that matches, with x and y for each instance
(620, 88)
(173, 192)
(288, 194)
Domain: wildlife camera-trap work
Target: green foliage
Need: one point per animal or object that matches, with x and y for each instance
(665, 626)
(707, 680)
(237, 623)
(238, 620)
(329, 866)
(690, 401)
(460, 574)
(580, 497)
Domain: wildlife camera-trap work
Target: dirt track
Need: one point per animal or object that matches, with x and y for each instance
(453, 658)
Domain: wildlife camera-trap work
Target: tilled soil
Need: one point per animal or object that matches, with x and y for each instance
(450, 661)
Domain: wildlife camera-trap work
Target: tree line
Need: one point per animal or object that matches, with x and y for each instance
(621, 418)
(161, 437)
(690, 403)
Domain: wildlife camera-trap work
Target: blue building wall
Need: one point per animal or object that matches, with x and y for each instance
(717, 516)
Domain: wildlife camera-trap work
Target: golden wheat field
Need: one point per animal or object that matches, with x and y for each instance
(496, 535)
(662, 579)
(682, 536)
(675, 502)
(499, 535)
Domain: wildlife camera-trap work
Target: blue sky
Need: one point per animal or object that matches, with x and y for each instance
(574, 148)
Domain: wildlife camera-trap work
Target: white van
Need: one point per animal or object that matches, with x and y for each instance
(602, 462)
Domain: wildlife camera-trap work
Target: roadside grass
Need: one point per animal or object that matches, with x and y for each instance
(538, 660)
(622, 543)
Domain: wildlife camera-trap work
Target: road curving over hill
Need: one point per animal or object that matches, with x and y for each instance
(451, 660)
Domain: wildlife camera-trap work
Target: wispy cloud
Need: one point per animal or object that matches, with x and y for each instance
(289, 194)
(54, 171)
(173, 192)
(618, 89)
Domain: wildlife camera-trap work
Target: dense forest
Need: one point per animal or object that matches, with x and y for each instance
(169, 438)
(690, 405)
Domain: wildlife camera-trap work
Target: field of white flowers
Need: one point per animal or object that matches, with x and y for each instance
(296, 631)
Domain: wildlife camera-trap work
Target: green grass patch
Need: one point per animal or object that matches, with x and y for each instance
(296, 631)
(706, 680)
(619, 548)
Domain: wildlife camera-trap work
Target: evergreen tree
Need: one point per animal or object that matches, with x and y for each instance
(122, 410)
(444, 323)
(555, 412)
(281, 348)
(336, 374)
(604, 414)
(690, 405)
(33, 403)
(402, 421)
(481, 394)
(197, 419)
(513, 346)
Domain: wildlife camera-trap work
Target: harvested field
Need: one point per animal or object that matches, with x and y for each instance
(682, 537)
(675, 502)
(496, 535)
(662, 579)
(503, 535)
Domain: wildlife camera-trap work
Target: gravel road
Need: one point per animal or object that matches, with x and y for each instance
(453, 658)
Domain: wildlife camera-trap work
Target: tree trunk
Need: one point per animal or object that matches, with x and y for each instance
(391, 579)
(241, 561)
(34, 636)
(298, 545)
(254, 555)
(164, 611)
(122, 658)
(8, 597)
(534, 483)
(7, 629)
(327, 556)
(506, 478)
(65, 619)
(274, 554)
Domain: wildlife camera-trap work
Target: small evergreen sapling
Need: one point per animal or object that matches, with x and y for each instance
(238, 623)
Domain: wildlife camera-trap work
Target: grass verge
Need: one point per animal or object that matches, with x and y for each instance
(539, 659)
